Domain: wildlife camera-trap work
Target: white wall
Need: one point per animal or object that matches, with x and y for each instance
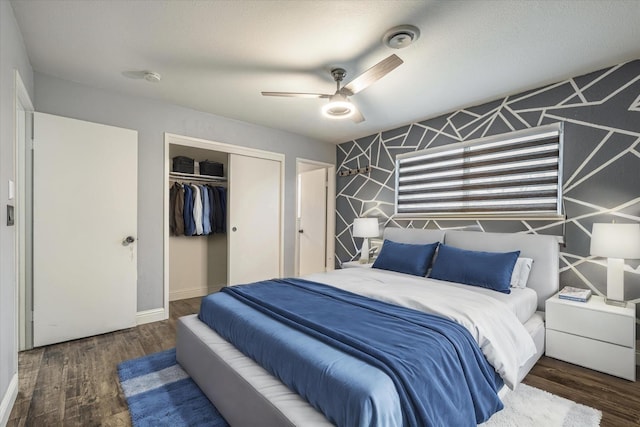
(13, 55)
(151, 119)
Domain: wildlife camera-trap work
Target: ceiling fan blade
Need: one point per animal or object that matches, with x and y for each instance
(372, 75)
(357, 116)
(297, 95)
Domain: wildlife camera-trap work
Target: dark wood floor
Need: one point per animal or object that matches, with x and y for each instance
(75, 383)
(618, 399)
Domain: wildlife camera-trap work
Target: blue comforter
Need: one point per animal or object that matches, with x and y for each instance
(440, 375)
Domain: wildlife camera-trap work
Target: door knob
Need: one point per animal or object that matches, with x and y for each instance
(128, 240)
(234, 229)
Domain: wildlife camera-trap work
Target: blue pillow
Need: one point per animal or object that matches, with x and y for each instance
(485, 269)
(405, 257)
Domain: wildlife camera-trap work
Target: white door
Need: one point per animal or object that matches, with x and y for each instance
(312, 224)
(85, 206)
(254, 219)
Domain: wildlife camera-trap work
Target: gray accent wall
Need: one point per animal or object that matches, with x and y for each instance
(152, 119)
(601, 115)
(13, 56)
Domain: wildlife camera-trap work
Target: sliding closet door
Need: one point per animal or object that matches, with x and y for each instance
(85, 207)
(254, 226)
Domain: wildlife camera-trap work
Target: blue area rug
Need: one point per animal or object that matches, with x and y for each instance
(160, 393)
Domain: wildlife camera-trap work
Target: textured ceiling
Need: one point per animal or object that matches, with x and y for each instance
(217, 56)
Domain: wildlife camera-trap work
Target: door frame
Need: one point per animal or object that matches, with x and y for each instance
(23, 226)
(173, 139)
(303, 165)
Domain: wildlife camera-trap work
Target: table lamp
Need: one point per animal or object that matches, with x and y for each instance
(365, 227)
(615, 242)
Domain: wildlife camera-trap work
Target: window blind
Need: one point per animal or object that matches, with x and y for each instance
(514, 174)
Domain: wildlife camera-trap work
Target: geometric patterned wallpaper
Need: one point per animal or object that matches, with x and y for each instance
(601, 168)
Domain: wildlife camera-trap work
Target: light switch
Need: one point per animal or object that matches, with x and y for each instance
(10, 215)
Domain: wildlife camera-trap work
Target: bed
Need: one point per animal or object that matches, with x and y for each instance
(247, 395)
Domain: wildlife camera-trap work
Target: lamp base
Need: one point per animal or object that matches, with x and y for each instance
(364, 252)
(615, 302)
(615, 279)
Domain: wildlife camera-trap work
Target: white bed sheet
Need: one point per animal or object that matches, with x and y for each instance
(499, 333)
(522, 302)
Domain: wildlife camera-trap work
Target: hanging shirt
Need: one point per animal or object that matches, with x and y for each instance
(178, 212)
(212, 208)
(197, 210)
(217, 215)
(206, 210)
(176, 208)
(223, 202)
(187, 212)
(173, 193)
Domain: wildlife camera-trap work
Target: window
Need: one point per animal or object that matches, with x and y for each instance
(518, 174)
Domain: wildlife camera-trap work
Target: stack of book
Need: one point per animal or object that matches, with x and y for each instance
(575, 294)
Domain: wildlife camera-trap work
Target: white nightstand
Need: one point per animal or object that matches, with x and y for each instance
(593, 334)
(355, 264)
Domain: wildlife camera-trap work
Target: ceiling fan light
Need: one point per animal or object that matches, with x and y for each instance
(338, 110)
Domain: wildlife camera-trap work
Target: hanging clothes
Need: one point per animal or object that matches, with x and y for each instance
(212, 209)
(218, 213)
(197, 209)
(178, 210)
(173, 192)
(206, 210)
(189, 223)
(223, 206)
(176, 207)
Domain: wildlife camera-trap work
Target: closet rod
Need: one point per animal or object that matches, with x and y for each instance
(178, 176)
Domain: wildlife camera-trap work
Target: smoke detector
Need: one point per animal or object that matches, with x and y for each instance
(152, 77)
(401, 36)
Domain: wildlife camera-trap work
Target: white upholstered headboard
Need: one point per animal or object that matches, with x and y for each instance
(544, 251)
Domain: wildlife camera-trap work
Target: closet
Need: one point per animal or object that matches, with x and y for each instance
(197, 264)
(250, 248)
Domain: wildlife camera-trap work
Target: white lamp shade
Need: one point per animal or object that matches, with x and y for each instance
(365, 227)
(616, 241)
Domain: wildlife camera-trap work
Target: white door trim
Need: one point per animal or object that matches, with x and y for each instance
(173, 139)
(21, 102)
(331, 216)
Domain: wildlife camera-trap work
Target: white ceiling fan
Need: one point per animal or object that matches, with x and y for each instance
(339, 105)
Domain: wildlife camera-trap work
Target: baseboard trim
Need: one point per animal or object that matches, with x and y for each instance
(153, 315)
(8, 400)
(188, 293)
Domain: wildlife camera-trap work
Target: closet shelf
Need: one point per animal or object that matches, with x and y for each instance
(193, 177)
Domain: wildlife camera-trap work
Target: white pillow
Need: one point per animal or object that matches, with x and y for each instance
(521, 271)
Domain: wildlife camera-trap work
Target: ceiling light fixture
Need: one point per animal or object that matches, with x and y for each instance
(401, 36)
(338, 107)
